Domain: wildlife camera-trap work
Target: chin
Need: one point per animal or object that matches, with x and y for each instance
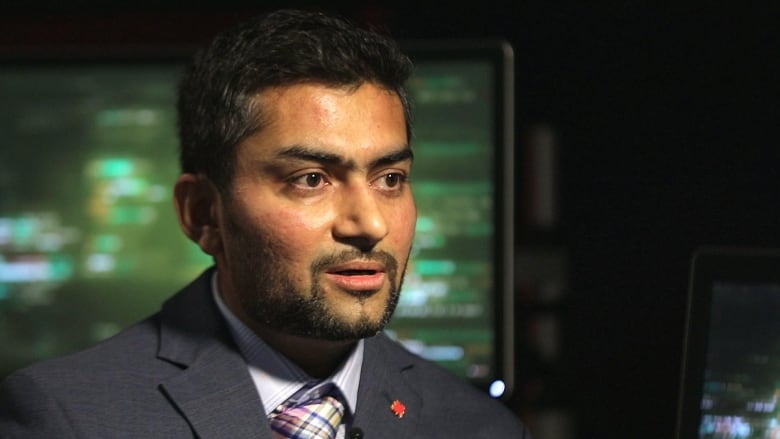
(349, 328)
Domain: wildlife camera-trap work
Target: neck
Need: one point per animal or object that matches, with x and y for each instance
(318, 358)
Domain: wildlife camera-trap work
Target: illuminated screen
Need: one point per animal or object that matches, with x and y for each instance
(731, 370)
(742, 372)
(89, 242)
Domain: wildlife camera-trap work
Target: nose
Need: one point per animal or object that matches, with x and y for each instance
(361, 221)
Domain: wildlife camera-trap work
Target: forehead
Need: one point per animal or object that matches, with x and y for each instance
(312, 113)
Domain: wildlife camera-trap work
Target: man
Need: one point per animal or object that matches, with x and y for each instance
(295, 154)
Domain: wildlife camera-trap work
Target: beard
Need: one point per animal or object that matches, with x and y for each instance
(269, 295)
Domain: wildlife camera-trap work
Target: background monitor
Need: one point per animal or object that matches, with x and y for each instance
(731, 372)
(89, 242)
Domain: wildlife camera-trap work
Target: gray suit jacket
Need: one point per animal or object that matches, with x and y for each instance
(178, 374)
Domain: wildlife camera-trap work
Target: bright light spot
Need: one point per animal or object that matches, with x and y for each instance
(100, 263)
(497, 388)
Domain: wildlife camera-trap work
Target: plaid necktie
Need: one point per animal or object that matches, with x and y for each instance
(316, 417)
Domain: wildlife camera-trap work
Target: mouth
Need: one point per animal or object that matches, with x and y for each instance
(358, 277)
(354, 272)
(357, 268)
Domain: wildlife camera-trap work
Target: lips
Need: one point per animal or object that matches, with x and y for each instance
(357, 276)
(360, 267)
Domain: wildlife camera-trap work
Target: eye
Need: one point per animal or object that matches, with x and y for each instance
(311, 180)
(392, 180)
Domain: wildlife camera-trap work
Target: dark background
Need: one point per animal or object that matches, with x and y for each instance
(668, 137)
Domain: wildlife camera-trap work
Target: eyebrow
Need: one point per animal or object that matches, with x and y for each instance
(301, 152)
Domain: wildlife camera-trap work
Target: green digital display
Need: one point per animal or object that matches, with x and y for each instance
(89, 243)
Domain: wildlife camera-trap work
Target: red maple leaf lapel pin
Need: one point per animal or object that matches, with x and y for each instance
(398, 408)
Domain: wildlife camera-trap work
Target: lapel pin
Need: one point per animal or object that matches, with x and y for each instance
(398, 408)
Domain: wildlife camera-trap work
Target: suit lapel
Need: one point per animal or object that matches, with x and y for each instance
(384, 380)
(214, 390)
(218, 398)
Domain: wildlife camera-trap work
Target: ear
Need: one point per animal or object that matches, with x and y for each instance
(197, 203)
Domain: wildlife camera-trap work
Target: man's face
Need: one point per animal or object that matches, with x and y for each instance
(318, 223)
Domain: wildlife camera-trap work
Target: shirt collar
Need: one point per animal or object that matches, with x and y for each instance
(276, 377)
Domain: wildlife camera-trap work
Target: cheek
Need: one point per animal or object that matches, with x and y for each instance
(405, 220)
(293, 229)
(292, 237)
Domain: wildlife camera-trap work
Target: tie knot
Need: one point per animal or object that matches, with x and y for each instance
(316, 414)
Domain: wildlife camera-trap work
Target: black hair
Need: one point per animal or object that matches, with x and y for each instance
(216, 109)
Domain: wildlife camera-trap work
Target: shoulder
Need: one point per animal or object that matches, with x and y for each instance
(108, 363)
(431, 377)
(130, 355)
(48, 396)
(450, 398)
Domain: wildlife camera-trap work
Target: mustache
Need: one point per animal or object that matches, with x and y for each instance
(386, 259)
